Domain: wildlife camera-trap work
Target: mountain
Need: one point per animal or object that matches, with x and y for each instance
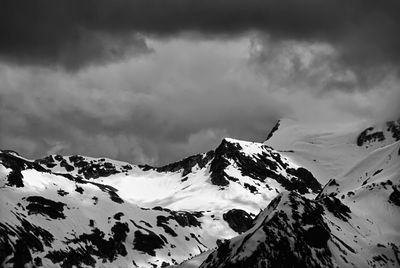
(353, 222)
(76, 210)
(323, 195)
(330, 149)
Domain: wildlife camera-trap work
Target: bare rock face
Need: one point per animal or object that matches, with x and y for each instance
(186, 164)
(273, 130)
(368, 136)
(371, 135)
(394, 128)
(395, 196)
(263, 164)
(239, 220)
(10, 159)
(291, 232)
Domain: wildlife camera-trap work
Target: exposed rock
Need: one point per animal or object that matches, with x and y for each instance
(95, 245)
(275, 128)
(266, 164)
(302, 181)
(67, 166)
(17, 164)
(395, 196)
(276, 241)
(336, 207)
(48, 161)
(147, 242)
(186, 164)
(93, 169)
(394, 128)
(367, 137)
(61, 192)
(45, 207)
(239, 220)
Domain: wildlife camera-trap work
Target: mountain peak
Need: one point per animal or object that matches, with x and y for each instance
(77, 210)
(275, 128)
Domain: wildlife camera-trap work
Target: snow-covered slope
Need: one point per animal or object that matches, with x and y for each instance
(238, 174)
(330, 149)
(77, 210)
(353, 222)
(62, 211)
(66, 220)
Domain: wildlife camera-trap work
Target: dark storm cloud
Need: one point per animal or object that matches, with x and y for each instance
(73, 33)
(160, 109)
(308, 59)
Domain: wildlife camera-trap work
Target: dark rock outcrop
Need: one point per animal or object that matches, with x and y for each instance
(394, 128)
(367, 136)
(95, 244)
(394, 197)
(239, 220)
(147, 242)
(276, 241)
(275, 128)
(184, 165)
(336, 207)
(11, 160)
(45, 207)
(259, 167)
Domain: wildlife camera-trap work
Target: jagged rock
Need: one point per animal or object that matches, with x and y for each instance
(367, 137)
(239, 220)
(186, 164)
(394, 128)
(264, 164)
(17, 164)
(45, 207)
(277, 241)
(395, 196)
(273, 130)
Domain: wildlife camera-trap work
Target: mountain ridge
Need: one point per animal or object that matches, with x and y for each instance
(202, 207)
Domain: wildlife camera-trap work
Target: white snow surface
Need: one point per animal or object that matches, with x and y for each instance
(141, 190)
(361, 177)
(326, 149)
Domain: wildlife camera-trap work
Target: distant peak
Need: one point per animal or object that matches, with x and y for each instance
(231, 140)
(10, 152)
(275, 128)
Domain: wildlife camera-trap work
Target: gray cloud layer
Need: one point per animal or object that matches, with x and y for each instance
(151, 81)
(157, 109)
(74, 33)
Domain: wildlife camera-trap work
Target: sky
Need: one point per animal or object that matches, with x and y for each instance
(153, 81)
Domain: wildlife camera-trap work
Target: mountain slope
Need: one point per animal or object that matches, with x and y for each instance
(65, 220)
(79, 210)
(330, 149)
(61, 211)
(238, 174)
(353, 222)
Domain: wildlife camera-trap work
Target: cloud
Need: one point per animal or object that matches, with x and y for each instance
(73, 33)
(151, 110)
(169, 105)
(302, 65)
(210, 69)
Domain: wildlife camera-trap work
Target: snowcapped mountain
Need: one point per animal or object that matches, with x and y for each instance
(330, 149)
(353, 222)
(310, 196)
(76, 210)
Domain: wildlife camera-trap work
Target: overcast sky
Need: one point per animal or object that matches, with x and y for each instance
(153, 81)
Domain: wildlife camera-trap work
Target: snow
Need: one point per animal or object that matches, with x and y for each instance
(363, 175)
(329, 151)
